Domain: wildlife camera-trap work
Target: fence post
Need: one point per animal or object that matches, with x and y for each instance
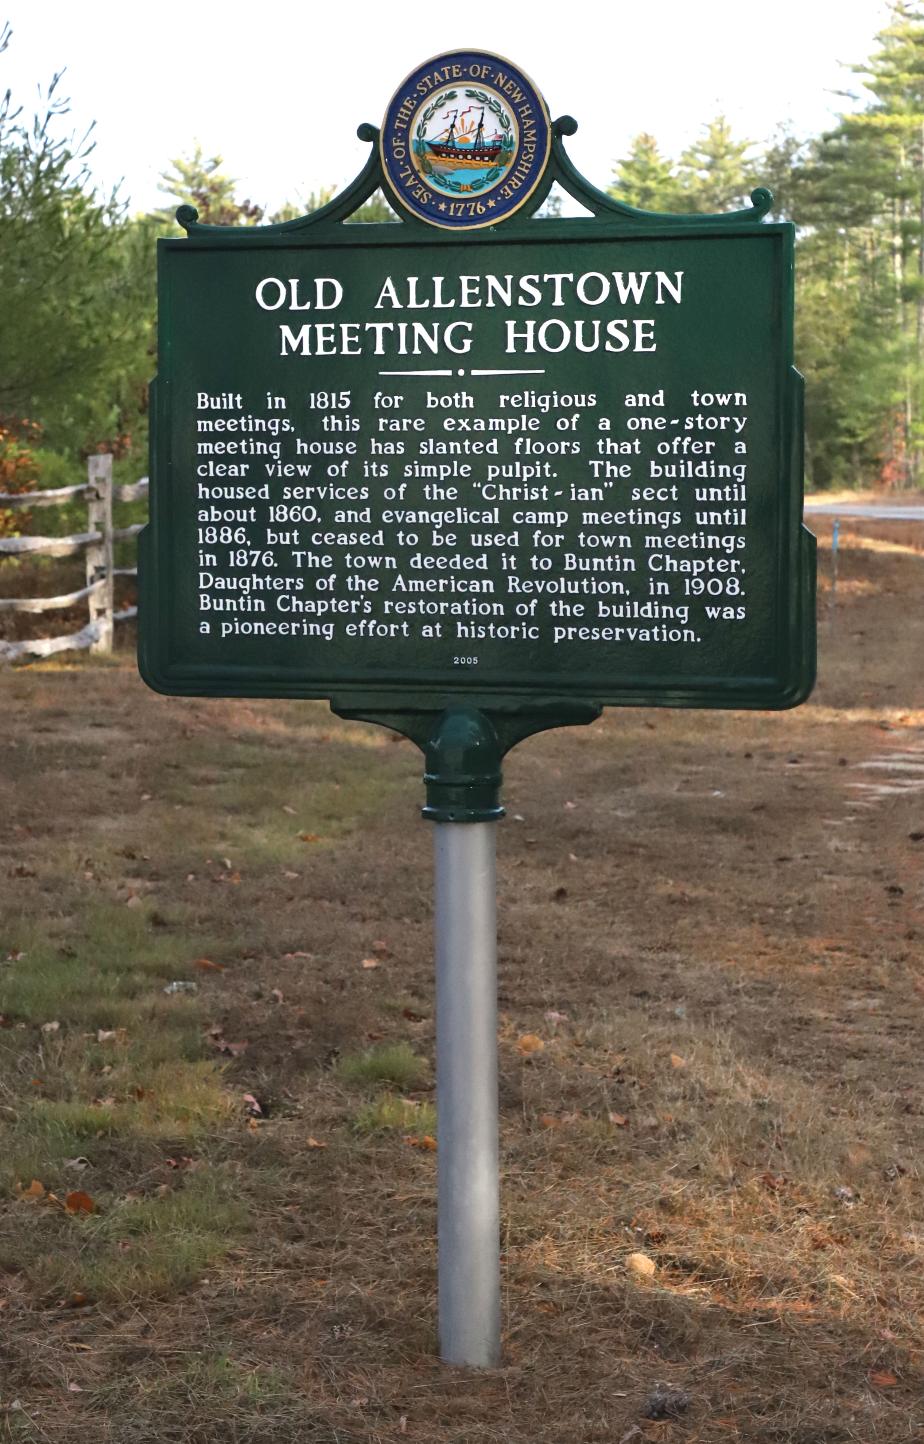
(99, 554)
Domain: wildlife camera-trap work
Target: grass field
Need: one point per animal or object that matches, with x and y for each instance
(218, 1201)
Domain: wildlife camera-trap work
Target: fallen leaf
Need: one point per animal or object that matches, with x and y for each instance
(619, 1120)
(774, 1181)
(308, 837)
(315, 1142)
(883, 1378)
(74, 1389)
(858, 1155)
(677, 1061)
(207, 966)
(368, 963)
(529, 1043)
(34, 1192)
(425, 1141)
(232, 1050)
(641, 1264)
(79, 1202)
(549, 1120)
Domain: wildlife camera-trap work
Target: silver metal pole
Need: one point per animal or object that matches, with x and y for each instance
(468, 1208)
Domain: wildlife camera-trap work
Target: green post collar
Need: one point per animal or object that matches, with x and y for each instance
(463, 768)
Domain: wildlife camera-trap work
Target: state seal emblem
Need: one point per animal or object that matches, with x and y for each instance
(465, 140)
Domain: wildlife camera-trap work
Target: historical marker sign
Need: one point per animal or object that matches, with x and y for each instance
(467, 456)
(472, 475)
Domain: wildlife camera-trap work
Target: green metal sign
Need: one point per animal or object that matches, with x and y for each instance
(531, 467)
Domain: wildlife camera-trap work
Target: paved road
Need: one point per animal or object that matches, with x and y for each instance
(873, 511)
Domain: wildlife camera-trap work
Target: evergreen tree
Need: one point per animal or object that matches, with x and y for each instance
(861, 193)
(76, 288)
(644, 178)
(199, 180)
(715, 173)
(376, 208)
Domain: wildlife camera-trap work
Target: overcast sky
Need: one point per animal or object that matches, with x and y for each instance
(278, 89)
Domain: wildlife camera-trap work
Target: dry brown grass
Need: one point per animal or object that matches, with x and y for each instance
(720, 950)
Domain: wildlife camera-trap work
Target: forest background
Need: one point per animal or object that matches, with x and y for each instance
(77, 271)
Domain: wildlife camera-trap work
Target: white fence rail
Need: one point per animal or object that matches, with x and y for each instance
(97, 542)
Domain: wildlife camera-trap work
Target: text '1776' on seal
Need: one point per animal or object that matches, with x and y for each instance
(465, 140)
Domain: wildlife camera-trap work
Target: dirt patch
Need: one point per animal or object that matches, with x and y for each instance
(712, 923)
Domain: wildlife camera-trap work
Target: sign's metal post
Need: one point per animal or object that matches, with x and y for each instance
(463, 778)
(468, 1221)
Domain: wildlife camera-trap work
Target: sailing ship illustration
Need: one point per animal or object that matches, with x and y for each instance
(478, 152)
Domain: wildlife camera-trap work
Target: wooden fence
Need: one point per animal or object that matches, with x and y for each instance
(97, 542)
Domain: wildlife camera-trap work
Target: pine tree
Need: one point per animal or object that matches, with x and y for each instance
(376, 208)
(862, 195)
(715, 173)
(199, 180)
(77, 292)
(645, 178)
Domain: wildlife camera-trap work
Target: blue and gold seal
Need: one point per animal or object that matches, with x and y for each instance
(465, 140)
